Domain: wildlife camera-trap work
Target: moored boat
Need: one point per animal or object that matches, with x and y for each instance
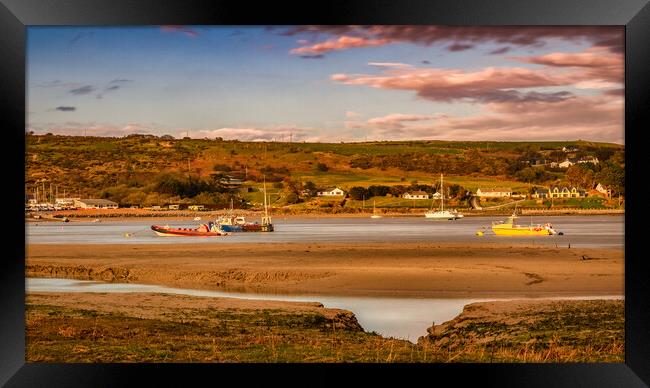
(442, 214)
(203, 230)
(509, 228)
(374, 211)
(232, 223)
(239, 224)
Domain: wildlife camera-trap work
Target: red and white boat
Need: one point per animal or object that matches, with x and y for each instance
(204, 230)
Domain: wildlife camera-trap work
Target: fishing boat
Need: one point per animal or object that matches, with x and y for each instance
(374, 211)
(204, 230)
(441, 213)
(239, 224)
(232, 223)
(509, 228)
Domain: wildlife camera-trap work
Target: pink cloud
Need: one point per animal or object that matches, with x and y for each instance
(598, 118)
(397, 120)
(446, 85)
(594, 68)
(183, 29)
(279, 133)
(89, 128)
(342, 43)
(599, 64)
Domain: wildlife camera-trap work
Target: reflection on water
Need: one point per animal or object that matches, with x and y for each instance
(405, 318)
(579, 231)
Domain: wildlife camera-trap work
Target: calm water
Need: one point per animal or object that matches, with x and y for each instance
(405, 318)
(583, 231)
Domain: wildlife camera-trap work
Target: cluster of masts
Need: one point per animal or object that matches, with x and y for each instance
(41, 195)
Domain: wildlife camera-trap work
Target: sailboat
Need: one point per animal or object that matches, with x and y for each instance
(267, 224)
(374, 211)
(442, 214)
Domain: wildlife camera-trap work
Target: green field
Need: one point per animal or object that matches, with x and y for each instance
(130, 170)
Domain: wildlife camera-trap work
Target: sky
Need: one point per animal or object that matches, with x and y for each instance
(328, 83)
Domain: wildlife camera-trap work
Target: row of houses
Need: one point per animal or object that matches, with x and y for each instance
(72, 203)
(568, 162)
(570, 192)
(489, 192)
(418, 194)
(558, 192)
(499, 192)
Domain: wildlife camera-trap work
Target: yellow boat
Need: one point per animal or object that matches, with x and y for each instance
(509, 228)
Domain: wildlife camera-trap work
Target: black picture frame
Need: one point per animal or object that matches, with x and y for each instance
(16, 15)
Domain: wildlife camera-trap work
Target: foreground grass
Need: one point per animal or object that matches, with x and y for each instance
(544, 331)
(564, 332)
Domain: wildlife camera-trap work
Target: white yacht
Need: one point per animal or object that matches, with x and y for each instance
(374, 211)
(442, 214)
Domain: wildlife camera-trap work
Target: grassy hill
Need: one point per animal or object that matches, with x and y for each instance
(130, 169)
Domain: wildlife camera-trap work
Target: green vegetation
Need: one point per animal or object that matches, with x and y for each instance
(567, 331)
(146, 170)
(562, 331)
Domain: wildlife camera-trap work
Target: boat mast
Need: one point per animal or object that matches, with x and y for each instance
(266, 213)
(442, 198)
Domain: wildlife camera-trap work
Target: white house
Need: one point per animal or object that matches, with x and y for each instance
(331, 192)
(436, 195)
(95, 204)
(570, 149)
(495, 192)
(588, 159)
(416, 195)
(566, 164)
(585, 159)
(65, 201)
(604, 190)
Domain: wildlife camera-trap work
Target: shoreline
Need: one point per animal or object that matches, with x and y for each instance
(128, 215)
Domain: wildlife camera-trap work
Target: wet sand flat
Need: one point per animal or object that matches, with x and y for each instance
(367, 269)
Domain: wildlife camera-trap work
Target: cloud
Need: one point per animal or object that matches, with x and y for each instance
(65, 108)
(447, 85)
(425, 62)
(391, 122)
(278, 133)
(317, 56)
(598, 118)
(113, 85)
(89, 128)
(599, 64)
(58, 84)
(79, 36)
(120, 81)
(459, 47)
(388, 64)
(87, 89)
(593, 68)
(352, 114)
(459, 37)
(341, 43)
(192, 33)
(501, 50)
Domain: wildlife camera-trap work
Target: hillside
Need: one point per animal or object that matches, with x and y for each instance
(146, 170)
